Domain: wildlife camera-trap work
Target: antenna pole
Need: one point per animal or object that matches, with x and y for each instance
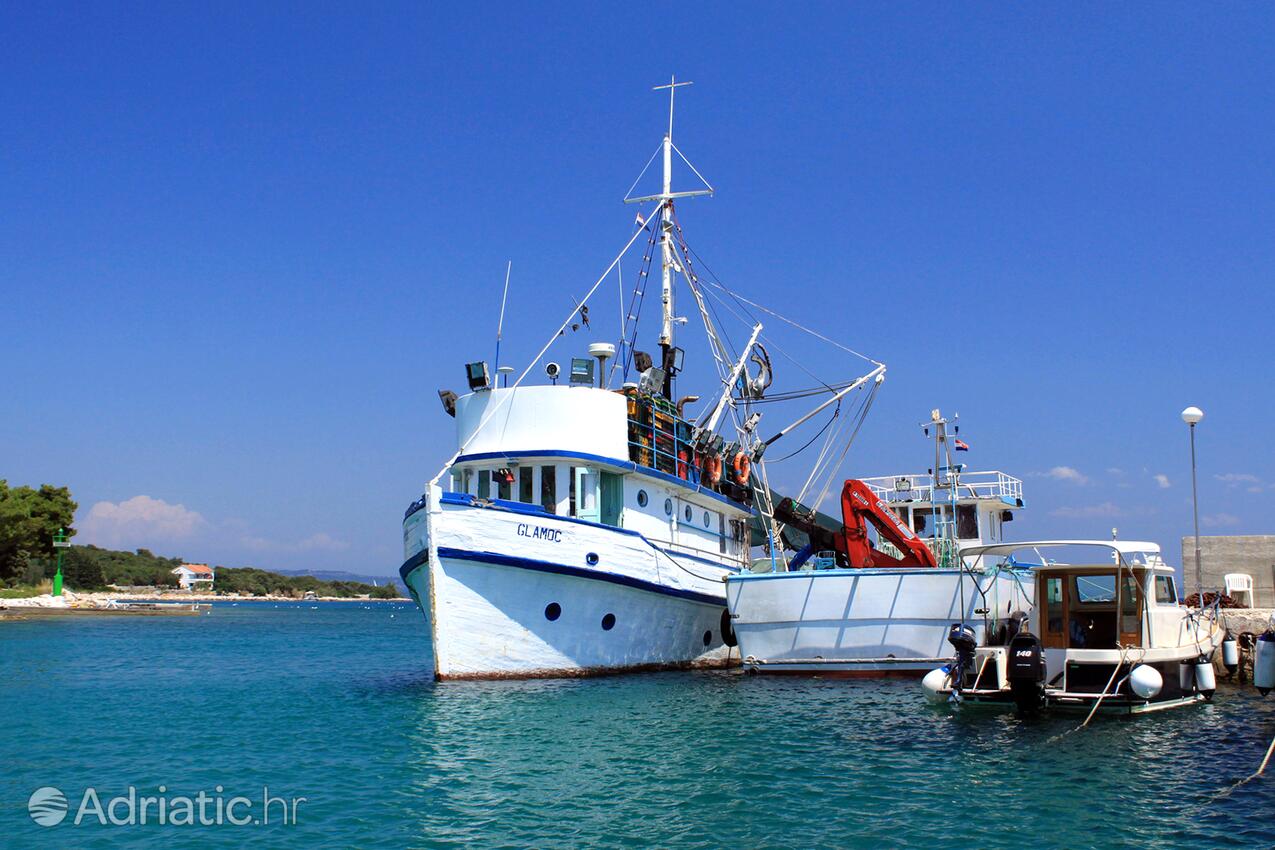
(500, 326)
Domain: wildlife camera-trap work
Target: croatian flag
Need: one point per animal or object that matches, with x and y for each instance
(962, 446)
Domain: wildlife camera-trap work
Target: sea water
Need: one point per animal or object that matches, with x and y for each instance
(335, 704)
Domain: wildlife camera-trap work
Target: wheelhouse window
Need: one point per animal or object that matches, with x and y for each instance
(1165, 592)
(584, 493)
(966, 522)
(525, 485)
(549, 488)
(484, 483)
(925, 521)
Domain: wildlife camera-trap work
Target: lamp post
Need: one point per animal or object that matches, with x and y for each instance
(1191, 416)
(59, 542)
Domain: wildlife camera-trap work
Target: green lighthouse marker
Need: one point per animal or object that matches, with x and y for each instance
(59, 542)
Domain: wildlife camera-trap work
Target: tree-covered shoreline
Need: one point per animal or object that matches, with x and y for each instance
(29, 518)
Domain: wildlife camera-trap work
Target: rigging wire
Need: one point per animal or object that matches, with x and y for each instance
(835, 412)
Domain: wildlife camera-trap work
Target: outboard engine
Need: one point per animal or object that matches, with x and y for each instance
(1026, 672)
(964, 641)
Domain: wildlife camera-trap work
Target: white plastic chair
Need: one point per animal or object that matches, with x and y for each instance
(1239, 584)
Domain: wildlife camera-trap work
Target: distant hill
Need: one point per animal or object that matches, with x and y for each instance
(339, 575)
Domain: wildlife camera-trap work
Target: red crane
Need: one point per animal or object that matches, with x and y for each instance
(859, 506)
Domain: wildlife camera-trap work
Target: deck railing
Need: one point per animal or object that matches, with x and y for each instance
(991, 484)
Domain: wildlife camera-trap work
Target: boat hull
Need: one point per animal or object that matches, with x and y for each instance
(513, 595)
(867, 623)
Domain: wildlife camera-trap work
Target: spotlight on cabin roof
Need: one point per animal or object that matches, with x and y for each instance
(479, 375)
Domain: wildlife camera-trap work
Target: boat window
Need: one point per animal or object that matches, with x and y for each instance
(484, 483)
(966, 522)
(1055, 633)
(549, 488)
(458, 481)
(642, 498)
(1130, 609)
(468, 486)
(504, 483)
(925, 520)
(524, 485)
(584, 492)
(688, 513)
(707, 519)
(1165, 592)
(668, 507)
(1095, 588)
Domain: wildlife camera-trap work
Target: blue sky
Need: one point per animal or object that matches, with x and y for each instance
(243, 246)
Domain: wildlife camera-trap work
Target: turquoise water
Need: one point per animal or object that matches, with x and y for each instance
(335, 703)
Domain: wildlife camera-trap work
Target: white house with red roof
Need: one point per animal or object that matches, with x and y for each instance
(195, 576)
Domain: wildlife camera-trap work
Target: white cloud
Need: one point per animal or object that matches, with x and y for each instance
(1162, 480)
(139, 521)
(321, 541)
(1235, 479)
(1067, 473)
(1106, 509)
(1220, 520)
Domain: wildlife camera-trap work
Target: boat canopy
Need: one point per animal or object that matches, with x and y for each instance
(1139, 553)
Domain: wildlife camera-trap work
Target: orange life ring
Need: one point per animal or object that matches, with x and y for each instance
(743, 468)
(713, 468)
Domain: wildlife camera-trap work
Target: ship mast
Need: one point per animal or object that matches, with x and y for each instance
(669, 264)
(668, 258)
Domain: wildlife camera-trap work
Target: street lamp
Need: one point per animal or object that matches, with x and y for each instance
(1191, 416)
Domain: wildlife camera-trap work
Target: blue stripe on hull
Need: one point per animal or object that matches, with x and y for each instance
(420, 558)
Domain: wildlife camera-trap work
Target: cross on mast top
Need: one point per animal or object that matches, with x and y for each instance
(673, 86)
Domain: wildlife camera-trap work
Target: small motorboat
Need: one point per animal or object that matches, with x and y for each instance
(1105, 633)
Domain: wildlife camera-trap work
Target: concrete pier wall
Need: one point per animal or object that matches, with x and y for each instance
(1251, 554)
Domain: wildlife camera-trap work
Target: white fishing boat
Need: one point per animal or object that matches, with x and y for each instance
(585, 525)
(1108, 633)
(847, 605)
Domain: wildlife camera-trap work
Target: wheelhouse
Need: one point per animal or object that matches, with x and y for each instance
(622, 459)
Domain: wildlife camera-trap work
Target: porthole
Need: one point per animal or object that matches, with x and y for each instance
(608, 622)
(688, 513)
(553, 611)
(708, 638)
(591, 559)
(706, 519)
(642, 498)
(668, 507)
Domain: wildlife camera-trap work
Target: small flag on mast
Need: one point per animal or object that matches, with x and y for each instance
(961, 445)
(639, 221)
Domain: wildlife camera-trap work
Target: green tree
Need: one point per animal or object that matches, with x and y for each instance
(385, 591)
(81, 571)
(28, 520)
